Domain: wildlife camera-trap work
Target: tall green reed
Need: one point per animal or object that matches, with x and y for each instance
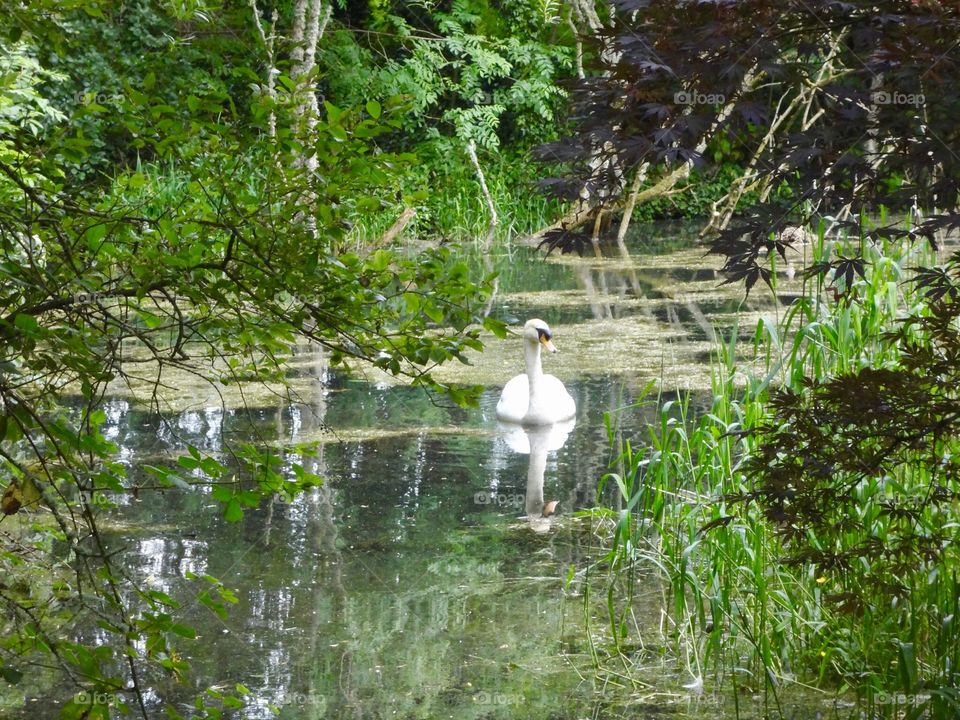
(735, 612)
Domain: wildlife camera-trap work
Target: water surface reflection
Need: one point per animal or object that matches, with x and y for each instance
(410, 584)
(424, 578)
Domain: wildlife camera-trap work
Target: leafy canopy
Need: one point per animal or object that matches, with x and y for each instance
(850, 106)
(218, 244)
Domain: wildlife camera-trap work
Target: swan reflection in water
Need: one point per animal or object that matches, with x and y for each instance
(536, 441)
(536, 415)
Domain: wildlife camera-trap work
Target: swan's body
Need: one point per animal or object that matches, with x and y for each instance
(534, 398)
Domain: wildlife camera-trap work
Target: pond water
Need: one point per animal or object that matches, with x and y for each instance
(413, 584)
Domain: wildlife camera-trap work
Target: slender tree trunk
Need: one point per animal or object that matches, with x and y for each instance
(638, 179)
(272, 71)
(487, 197)
(310, 22)
(491, 228)
(310, 18)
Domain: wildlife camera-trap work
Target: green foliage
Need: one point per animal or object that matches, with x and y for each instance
(123, 48)
(225, 246)
(856, 471)
(840, 570)
(22, 105)
(443, 189)
(469, 73)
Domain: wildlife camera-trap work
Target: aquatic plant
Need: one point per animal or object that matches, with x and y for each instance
(805, 523)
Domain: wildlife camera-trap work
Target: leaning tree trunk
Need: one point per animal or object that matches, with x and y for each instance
(587, 210)
(802, 105)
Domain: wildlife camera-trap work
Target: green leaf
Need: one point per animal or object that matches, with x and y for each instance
(188, 462)
(908, 668)
(412, 302)
(184, 631)
(162, 598)
(219, 608)
(26, 323)
(497, 327)
(232, 703)
(434, 313)
(11, 675)
(233, 512)
(150, 320)
(222, 493)
(374, 109)
(333, 112)
(380, 260)
(29, 492)
(212, 467)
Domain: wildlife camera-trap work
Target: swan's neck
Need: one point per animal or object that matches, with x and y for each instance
(531, 352)
(534, 377)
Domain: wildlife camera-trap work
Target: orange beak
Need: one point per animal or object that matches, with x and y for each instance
(548, 344)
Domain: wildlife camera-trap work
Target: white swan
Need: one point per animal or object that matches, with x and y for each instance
(534, 398)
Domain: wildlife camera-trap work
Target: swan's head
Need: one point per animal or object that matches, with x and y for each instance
(538, 332)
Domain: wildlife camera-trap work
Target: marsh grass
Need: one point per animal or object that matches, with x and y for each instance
(735, 616)
(442, 187)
